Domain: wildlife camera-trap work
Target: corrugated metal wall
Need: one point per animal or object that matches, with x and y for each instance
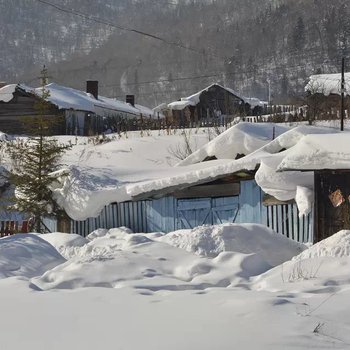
(169, 214)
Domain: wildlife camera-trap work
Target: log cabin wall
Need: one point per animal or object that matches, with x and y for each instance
(14, 113)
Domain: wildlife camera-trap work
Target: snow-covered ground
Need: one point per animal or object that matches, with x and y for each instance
(224, 287)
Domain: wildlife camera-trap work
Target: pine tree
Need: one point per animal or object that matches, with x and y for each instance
(34, 159)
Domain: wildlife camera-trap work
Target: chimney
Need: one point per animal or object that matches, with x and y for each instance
(92, 88)
(130, 99)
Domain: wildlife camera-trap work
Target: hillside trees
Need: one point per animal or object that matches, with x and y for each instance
(281, 36)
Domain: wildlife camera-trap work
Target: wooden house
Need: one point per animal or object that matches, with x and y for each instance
(214, 103)
(323, 96)
(74, 112)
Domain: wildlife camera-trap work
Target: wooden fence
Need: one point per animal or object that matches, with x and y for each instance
(284, 219)
(274, 113)
(8, 228)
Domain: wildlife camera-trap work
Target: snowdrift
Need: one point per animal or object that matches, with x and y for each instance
(336, 246)
(241, 238)
(322, 268)
(209, 256)
(26, 256)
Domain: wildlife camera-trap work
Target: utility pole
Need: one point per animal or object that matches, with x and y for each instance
(269, 101)
(342, 111)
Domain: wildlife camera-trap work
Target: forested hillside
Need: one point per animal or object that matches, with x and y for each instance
(240, 43)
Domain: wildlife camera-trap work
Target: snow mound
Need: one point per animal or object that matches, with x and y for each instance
(27, 255)
(210, 241)
(206, 257)
(336, 246)
(59, 239)
(102, 232)
(65, 243)
(321, 269)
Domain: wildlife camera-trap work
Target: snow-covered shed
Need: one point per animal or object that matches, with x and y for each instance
(84, 113)
(327, 157)
(215, 102)
(222, 190)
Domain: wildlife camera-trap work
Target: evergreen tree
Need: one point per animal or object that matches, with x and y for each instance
(34, 159)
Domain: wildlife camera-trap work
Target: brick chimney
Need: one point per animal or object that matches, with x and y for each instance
(130, 99)
(92, 88)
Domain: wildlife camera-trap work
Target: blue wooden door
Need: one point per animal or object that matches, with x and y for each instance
(225, 214)
(193, 212)
(209, 211)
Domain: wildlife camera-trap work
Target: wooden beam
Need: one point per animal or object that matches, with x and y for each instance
(270, 200)
(209, 191)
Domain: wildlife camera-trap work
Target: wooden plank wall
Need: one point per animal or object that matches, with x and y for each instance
(251, 209)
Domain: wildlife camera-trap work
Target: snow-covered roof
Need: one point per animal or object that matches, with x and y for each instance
(242, 138)
(317, 152)
(6, 92)
(196, 97)
(255, 102)
(327, 84)
(270, 154)
(160, 108)
(180, 105)
(68, 98)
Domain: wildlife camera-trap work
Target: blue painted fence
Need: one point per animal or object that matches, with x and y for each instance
(169, 214)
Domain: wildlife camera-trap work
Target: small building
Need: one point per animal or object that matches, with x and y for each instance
(75, 112)
(323, 96)
(215, 103)
(211, 187)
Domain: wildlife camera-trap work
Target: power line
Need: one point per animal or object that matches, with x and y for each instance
(206, 76)
(316, 52)
(213, 75)
(132, 30)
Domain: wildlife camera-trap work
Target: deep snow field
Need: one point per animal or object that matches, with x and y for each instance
(214, 287)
